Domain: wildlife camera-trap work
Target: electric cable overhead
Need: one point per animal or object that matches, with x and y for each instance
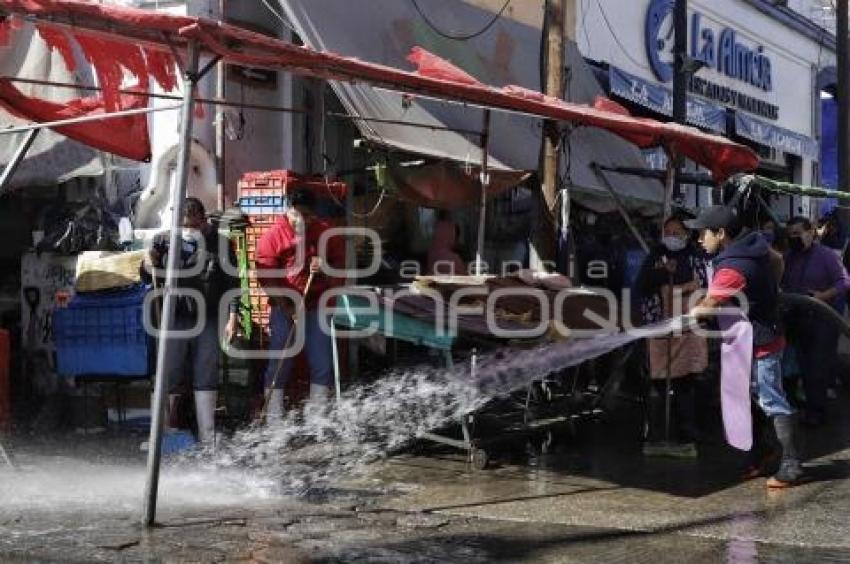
(623, 48)
(282, 19)
(461, 37)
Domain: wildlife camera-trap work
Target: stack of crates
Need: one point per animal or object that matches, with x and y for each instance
(263, 199)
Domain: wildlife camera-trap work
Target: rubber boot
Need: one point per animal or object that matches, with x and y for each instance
(205, 401)
(274, 409)
(790, 471)
(319, 393)
(168, 418)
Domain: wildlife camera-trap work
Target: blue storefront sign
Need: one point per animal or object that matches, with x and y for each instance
(776, 137)
(659, 99)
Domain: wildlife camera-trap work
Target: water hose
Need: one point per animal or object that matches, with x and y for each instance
(820, 308)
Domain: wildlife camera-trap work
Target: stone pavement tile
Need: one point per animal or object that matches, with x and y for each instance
(280, 554)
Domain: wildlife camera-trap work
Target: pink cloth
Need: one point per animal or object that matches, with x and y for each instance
(688, 355)
(442, 251)
(736, 364)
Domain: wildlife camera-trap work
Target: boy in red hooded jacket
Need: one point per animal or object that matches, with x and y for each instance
(278, 249)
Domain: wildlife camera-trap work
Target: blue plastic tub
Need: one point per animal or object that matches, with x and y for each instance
(102, 334)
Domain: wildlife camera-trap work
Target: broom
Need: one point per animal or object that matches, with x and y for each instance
(667, 448)
(279, 368)
(7, 458)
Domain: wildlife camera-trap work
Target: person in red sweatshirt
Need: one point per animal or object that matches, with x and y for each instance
(278, 249)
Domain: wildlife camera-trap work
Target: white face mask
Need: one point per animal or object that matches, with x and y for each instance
(192, 234)
(674, 244)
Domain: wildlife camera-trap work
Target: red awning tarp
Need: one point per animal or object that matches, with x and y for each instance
(126, 136)
(155, 30)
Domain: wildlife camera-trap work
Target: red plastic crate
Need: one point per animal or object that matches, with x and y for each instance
(263, 220)
(281, 182)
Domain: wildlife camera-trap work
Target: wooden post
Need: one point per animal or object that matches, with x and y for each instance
(558, 26)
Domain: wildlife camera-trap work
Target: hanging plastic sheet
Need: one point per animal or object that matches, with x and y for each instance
(52, 158)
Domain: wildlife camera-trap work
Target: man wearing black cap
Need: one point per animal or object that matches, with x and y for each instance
(742, 269)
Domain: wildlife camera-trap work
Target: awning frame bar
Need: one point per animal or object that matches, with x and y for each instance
(17, 158)
(87, 119)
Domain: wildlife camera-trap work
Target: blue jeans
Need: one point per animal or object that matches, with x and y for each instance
(766, 385)
(316, 343)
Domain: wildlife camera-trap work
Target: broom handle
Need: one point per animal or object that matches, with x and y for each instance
(279, 369)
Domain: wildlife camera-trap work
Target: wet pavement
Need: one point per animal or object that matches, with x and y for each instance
(590, 497)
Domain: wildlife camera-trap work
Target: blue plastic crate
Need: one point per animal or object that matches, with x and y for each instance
(262, 205)
(102, 333)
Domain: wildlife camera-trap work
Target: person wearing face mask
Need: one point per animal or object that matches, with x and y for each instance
(278, 250)
(814, 270)
(671, 273)
(202, 255)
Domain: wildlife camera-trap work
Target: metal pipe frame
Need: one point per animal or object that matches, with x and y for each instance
(178, 195)
(621, 208)
(86, 119)
(210, 101)
(17, 158)
(485, 181)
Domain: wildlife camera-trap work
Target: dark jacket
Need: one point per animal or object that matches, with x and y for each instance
(749, 256)
(212, 279)
(690, 265)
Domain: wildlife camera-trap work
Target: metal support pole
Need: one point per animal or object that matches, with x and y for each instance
(177, 197)
(842, 40)
(680, 80)
(622, 209)
(485, 182)
(669, 185)
(220, 85)
(17, 158)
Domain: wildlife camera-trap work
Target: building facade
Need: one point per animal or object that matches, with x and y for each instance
(759, 74)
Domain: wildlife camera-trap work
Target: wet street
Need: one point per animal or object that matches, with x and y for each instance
(591, 496)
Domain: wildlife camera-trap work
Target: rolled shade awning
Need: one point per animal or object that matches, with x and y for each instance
(791, 189)
(777, 137)
(660, 99)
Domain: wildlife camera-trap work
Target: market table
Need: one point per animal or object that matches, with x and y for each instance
(411, 318)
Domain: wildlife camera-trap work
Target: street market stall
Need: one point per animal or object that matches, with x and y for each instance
(148, 44)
